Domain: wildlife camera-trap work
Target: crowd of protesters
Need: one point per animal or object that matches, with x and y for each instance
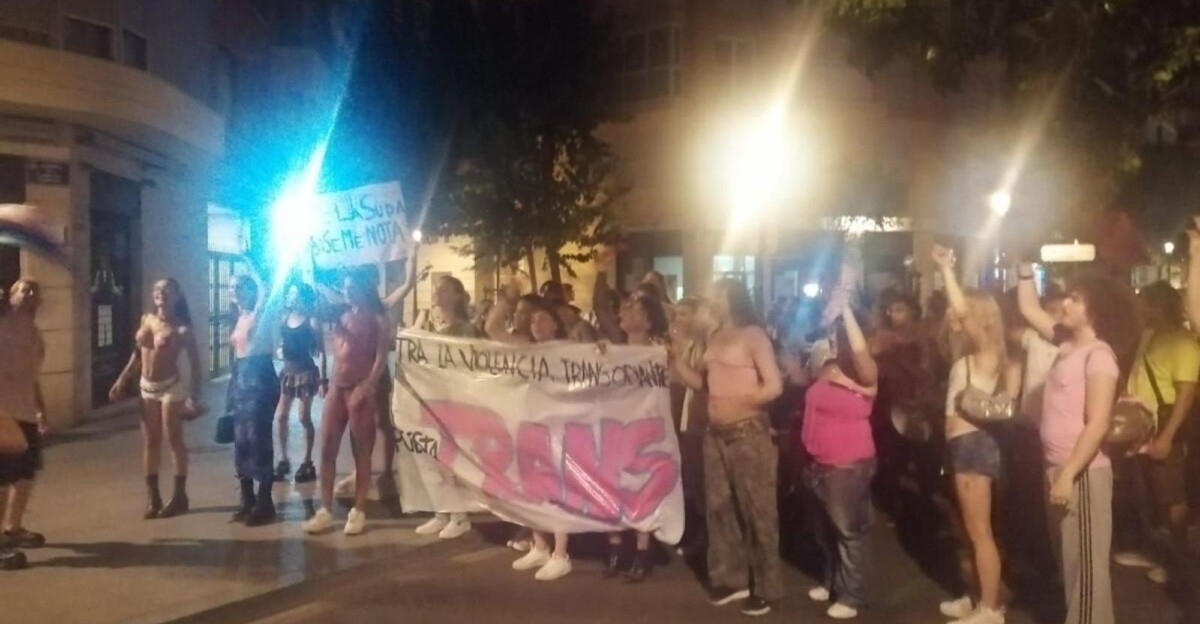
(981, 407)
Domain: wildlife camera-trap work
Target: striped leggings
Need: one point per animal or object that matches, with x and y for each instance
(1082, 536)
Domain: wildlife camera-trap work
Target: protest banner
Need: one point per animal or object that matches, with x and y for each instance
(365, 225)
(557, 437)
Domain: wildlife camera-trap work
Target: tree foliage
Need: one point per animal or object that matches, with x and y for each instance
(1109, 66)
(515, 90)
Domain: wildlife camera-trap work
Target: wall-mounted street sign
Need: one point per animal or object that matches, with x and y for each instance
(1068, 253)
(49, 173)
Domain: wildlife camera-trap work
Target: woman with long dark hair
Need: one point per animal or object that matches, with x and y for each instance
(301, 339)
(168, 362)
(1100, 321)
(973, 453)
(640, 320)
(740, 459)
(252, 398)
(360, 359)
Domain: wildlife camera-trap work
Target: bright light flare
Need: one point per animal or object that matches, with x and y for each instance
(761, 166)
(417, 235)
(1169, 247)
(295, 215)
(1000, 202)
(812, 290)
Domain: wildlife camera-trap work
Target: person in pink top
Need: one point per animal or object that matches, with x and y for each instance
(837, 435)
(1099, 316)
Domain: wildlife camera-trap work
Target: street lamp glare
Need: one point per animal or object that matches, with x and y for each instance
(417, 235)
(1169, 247)
(812, 289)
(999, 202)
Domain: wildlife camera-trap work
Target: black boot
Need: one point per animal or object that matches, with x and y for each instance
(153, 498)
(612, 562)
(640, 568)
(243, 512)
(178, 505)
(264, 506)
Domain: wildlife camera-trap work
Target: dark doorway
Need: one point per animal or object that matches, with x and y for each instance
(12, 191)
(116, 277)
(221, 270)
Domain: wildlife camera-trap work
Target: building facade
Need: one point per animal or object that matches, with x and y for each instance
(879, 153)
(111, 123)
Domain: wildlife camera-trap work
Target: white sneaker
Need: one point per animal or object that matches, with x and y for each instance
(355, 522)
(533, 559)
(320, 521)
(1132, 559)
(554, 569)
(434, 525)
(983, 615)
(818, 594)
(957, 609)
(1158, 574)
(455, 528)
(840, 611)
(346, 487)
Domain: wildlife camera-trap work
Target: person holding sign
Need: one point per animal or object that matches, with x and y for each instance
(741, 375)
(640, 320)
(543, 326)
(168, 362)
(451, 298)
(360, 359)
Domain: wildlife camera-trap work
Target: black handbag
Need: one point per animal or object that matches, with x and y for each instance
(224, 433)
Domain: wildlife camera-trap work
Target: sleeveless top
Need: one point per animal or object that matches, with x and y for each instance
(731, 371)
(356, 338)
(299, 343)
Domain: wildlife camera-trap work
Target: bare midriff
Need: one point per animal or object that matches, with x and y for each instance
(733, 379)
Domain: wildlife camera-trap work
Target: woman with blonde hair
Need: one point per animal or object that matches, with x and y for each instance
(972, 453)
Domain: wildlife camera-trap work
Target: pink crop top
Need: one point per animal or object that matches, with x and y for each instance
(731, 371)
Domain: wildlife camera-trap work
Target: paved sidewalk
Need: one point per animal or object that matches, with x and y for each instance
(105, 564)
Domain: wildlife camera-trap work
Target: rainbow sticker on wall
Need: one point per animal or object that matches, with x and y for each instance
(22, 225)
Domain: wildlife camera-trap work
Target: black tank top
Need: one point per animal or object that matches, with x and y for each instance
(299, 343)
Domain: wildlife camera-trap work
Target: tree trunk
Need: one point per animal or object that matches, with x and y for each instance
(529, 259)
(555, 262)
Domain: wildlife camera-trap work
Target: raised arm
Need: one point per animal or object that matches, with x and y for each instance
(496, 326)
(944, 259)
(400, 294)
(864, 364)
(602, 298)
(1031, 306)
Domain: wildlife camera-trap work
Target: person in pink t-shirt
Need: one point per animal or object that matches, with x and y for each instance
(1100, 318)
(837, 435)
